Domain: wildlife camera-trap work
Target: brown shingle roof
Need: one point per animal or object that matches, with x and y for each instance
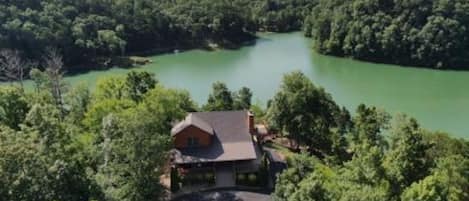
(231, 141)
(193, 120)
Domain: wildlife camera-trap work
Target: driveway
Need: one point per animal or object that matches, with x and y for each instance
(228, 195)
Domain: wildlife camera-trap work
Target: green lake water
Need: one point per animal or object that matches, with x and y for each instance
(439, 100)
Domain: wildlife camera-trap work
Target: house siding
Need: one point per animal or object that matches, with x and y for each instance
(181, 138)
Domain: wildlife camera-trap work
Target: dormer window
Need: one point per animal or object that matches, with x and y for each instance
(192, 142)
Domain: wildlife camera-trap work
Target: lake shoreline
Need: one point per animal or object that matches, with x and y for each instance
(143, 57)
(436, 98)
(209, 45)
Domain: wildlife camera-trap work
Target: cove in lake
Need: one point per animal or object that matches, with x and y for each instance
(439, 100)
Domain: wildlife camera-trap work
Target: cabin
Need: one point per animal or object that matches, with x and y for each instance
(221, 144)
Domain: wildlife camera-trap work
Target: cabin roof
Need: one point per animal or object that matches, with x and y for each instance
(192, 120)
(232, 140)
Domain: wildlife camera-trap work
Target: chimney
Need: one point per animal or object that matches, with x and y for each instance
(252, 128)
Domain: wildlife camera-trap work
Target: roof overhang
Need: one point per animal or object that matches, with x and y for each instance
(192, 120)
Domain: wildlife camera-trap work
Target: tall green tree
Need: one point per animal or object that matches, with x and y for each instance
(312, 188)
(139, 83)
(37, 162)
(407, 160)
(369, 123)
(366, 166)
(113, 87)
(242, 99)
(13, 107)
(220, 98)
(288, 182)
(77, 101)
(135, 142)
(449, 181)
(304, 112)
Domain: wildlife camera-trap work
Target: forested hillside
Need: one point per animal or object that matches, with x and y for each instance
(86, 29)
(430, 33)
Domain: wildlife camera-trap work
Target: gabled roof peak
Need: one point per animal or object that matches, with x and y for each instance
(192, 120)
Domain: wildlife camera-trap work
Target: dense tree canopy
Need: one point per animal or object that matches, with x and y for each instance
(407, 160)
(242, 99)
(448, 181)
(398, 161)
(87, 31)
(222, 99)
(106, 145)
(307, 114)
(13, 107)
(281, 15)
(430, 33)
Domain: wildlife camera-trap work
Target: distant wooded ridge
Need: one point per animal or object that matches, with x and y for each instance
(430, 33)
(427, 33)
(86, 30)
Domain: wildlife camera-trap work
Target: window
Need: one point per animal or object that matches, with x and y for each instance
(192, 142)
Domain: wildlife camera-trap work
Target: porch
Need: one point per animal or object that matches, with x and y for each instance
(213, 175)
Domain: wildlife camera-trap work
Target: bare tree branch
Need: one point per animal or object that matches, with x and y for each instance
(54, 65)
(12, 66)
